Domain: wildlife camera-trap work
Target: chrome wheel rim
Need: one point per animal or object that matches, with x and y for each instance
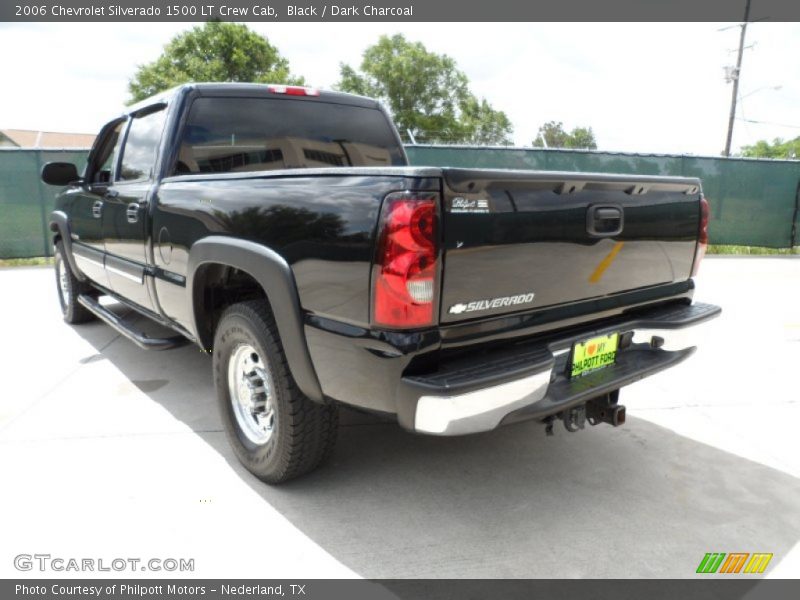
(63, 281)
(252, 394)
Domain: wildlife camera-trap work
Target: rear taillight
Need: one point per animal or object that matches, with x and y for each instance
(702, 238)
(292, 90)
(404, 276)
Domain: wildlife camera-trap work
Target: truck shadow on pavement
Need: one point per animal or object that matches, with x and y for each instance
(636, 501)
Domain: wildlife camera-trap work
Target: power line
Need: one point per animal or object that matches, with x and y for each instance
(768, 123)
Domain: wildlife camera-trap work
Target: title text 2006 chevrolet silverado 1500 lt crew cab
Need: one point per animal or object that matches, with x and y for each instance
(282, 230)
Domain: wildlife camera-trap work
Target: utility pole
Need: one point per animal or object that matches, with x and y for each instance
(736, 74)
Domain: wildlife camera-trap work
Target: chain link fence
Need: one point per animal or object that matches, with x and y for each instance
(753, 202)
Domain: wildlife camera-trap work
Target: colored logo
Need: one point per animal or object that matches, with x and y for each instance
(735, 562)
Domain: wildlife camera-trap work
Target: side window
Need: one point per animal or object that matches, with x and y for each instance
(141, 146)
(103, 162)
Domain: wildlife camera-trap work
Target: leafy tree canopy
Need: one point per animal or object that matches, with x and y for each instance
(553, 135)
(778, 148)
(426, 93)
(214, 51)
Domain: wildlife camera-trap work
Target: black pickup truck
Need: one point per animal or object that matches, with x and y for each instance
(281, 229)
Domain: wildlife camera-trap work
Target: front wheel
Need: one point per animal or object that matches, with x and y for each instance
(69, 288)
(276, 431)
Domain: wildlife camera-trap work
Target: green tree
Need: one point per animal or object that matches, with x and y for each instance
(426, 93)
(779, 148)
(214, 51)
(553, 135)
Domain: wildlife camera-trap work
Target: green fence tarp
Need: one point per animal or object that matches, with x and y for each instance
(26, 202)
(753, 202)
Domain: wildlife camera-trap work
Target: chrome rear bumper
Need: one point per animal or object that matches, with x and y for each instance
(480, 410)
(456, 405)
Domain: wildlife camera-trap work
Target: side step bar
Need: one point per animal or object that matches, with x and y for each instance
(137, 337)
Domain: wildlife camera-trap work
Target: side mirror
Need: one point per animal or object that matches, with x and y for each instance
(59, 173)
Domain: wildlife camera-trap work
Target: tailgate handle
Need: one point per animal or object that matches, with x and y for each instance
(604, 220)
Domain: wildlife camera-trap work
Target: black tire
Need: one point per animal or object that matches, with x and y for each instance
(69, 288)
(302, 432)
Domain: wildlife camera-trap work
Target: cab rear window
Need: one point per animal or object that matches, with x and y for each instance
(224, 135)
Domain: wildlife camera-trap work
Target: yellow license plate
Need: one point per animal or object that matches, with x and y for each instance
(593, 354)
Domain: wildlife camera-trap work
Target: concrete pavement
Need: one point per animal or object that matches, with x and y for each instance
(110, 451)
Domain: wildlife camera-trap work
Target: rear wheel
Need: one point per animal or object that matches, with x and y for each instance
(69, 288)
(276, 431)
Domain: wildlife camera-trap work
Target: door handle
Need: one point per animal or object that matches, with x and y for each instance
(604, 221)
(132, 212)
(97, 209)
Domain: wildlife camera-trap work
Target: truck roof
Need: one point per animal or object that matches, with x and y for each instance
(248, 89)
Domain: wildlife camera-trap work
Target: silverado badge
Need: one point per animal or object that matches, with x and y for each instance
(476, 305)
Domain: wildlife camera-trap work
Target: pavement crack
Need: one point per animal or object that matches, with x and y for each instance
(67, 438)
(727, 405)
(35, 402)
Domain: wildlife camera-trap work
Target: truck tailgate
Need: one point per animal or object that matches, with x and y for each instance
(521, 240)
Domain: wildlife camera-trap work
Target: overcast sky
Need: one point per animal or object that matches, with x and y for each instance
(642, 87)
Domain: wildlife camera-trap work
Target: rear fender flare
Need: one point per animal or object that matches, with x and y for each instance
(276, 278)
